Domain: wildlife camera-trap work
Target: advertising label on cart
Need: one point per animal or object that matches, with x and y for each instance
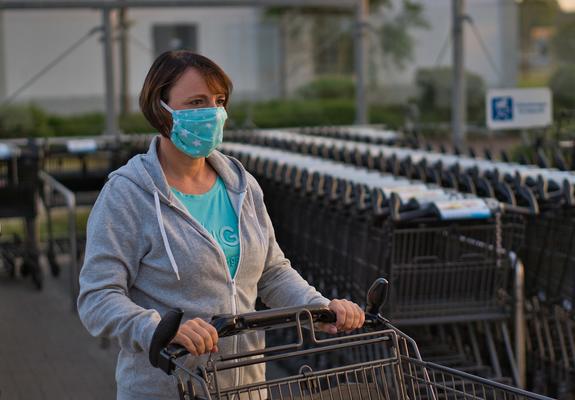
(463, 209)
(518, 108)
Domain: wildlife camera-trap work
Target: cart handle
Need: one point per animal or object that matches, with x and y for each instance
(162, 353)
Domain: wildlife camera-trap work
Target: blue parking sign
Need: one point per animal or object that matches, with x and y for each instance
(502, 108)
(518, 108)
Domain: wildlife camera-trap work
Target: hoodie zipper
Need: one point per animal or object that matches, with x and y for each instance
(234, 289)
(231, 280)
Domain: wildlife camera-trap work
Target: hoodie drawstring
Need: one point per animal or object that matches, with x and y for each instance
(164, 236)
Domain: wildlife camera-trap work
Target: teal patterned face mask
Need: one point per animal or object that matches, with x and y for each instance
(197, 131)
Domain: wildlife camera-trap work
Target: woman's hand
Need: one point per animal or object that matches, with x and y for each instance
(197, 336)
(349, 316)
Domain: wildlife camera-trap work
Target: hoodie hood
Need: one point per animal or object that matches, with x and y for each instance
(146, 172)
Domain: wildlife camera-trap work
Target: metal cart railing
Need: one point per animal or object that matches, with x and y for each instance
(379, 362)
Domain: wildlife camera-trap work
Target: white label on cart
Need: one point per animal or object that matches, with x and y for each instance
(82, 145)
(463, 209)
(423, 196)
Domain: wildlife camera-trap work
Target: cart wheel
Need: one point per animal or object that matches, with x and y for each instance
(25, 268)
(54, 267)
(10, 265)
(11, 268)
(31, 266)
(37, 278)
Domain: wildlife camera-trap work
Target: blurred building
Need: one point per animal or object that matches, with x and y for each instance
(234, 37)
(266, 57)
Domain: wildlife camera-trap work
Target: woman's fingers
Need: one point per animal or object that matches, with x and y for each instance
(197, 336)
(210, 329)
(349, 315)
(185, 341)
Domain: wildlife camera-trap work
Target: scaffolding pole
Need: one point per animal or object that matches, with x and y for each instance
(361, 37)
(458, 98)
(109, 74)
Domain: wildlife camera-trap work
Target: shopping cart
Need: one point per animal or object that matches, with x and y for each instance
(379, 362)
(18, 199)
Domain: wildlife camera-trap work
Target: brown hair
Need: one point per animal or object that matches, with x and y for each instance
(164, 73)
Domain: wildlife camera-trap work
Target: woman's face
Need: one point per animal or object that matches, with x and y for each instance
(191, 91)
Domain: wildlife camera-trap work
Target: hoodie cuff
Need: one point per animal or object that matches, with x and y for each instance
(149, 329)
(321, 300)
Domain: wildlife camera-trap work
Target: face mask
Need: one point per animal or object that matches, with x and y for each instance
(197, 131)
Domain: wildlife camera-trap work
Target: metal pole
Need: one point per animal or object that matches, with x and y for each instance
(361, 46)
(124, 62)
(3, 91)
(111, 101)
(520, 350)
(458, 99)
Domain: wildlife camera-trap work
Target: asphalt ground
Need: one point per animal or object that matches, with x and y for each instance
(45, 352)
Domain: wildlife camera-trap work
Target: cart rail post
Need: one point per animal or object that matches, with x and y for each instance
(52, 185)
(519, 314)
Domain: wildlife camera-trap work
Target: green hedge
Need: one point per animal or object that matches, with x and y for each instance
(434, 95)
(31, 121)
(562, 84)
(328, 87)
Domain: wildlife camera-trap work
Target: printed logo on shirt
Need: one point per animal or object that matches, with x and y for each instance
(228, 236)
(233, 262)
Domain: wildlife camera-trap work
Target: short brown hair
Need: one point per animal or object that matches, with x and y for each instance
(165, 71)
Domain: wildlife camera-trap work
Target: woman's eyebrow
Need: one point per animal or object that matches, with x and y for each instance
(204, 96)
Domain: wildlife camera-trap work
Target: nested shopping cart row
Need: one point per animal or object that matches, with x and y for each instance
(543, 195)
(334, 222)
(62, 172)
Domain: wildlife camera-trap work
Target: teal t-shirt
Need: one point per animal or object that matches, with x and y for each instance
(215, 212)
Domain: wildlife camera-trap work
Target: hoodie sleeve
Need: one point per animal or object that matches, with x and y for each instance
(111, 263)
(280, 285)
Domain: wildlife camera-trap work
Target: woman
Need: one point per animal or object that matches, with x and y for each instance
(185, 226)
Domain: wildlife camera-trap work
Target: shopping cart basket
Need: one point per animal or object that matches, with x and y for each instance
(380, 362)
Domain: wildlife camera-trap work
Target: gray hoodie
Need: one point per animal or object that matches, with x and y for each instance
(145, 255)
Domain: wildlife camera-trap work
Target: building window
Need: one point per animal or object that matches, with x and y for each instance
(174, 37)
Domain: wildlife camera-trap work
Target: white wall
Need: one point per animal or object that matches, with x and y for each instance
(34, 38)
(497, 24)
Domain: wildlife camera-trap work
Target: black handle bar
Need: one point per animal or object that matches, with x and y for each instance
(162, 353)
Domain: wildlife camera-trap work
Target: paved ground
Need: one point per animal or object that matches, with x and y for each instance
(45, 352)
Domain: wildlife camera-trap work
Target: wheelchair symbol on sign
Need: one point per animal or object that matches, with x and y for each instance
(502, 108)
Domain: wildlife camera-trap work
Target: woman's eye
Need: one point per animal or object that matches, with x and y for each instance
(221, 101)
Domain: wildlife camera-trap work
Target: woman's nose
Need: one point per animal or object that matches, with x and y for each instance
(212, 102)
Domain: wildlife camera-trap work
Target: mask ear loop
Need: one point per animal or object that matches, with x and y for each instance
(167, 107)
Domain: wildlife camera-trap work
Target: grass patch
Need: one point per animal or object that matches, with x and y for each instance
(15, 226)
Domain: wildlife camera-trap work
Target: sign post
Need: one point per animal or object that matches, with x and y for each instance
(518, 108)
